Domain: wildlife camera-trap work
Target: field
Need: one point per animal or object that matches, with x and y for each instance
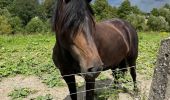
(28, 59)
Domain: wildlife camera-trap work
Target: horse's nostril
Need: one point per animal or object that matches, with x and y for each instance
(95, 69)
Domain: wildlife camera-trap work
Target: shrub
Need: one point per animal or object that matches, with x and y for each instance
(5, 27)
(157, 23)
(5, 12)
(138, 21)
(16, 25)
(36, 25)
(165, 13)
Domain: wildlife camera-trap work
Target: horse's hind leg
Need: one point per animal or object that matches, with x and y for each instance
(132, 65)
(71, 82)
(123, 67)
(121, 72)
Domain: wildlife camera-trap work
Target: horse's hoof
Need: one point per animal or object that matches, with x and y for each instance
(136, 91)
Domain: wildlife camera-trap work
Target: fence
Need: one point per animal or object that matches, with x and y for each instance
(160, 88)
(109, 88)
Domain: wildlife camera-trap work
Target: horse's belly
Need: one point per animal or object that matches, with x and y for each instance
(112, 50)
(113, 56)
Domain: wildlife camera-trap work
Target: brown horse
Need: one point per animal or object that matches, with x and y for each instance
(83, 46)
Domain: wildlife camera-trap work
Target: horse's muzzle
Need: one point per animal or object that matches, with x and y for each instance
(94, 71)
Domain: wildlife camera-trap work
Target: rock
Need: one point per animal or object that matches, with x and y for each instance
(160, 87)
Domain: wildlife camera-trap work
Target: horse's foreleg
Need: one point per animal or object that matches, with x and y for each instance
(90, 85)
(71, 82)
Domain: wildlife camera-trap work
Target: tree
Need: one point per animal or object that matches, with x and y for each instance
(5, 3)
(136, 10)
(155, 12)
(5, 27)
(138, 21)
(16, 25)
(49, 6)
(165, 13)
(166, 6)
(24, 9)
(36, 25)
(124, 9)
(5, 12)
(103, 10)
(157, 23)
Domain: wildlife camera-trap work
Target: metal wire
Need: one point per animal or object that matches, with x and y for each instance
(106, 86)
(96, 72)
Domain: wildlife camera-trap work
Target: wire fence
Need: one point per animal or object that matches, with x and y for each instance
(96, 72)
(141, 95)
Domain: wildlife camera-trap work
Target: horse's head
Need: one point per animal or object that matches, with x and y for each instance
(73, 24)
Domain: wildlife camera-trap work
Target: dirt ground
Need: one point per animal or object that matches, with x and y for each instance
(58, 93)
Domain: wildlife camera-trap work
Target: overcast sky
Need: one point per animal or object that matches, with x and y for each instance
(144, 5)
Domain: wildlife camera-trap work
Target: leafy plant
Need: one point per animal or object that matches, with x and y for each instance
(36, 25)
(46, 97)
(20, 93)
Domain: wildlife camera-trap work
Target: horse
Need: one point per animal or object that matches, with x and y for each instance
(85, 47)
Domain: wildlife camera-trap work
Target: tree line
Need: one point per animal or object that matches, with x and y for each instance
(31, 16)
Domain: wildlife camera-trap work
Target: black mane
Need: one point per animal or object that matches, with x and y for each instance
(70, 16)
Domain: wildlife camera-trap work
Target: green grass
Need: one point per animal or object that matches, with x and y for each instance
(46, 97)
(20, 93)
(28, 55)
(148, 50)
(31, 55)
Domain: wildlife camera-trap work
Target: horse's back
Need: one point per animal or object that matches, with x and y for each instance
(115, 39)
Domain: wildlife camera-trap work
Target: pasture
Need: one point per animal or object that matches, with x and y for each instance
(28, 58)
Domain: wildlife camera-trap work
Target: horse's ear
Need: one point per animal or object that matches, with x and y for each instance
(89, 1)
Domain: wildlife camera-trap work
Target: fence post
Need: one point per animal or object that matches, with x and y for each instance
(160, 87)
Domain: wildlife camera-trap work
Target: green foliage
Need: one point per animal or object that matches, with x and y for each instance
(49, 6)
(36, 25)
(148, 50)
(46, 97)
(41, 13)
(136, 10)
(157, 23)
(29, 55)
(167, 6)
(20, 93)
(5, 27)
(165, 13)
(138, 21)
(52, 79)
(103, 10)
(5, 12)
(16, 25)
(124, 9)
(25, 9)
(5, 3)
(155, 12)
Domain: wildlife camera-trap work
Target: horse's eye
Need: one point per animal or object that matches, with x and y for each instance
(66, 1)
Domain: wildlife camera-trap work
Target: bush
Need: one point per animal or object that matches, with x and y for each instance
(5, 27)
(5, 12)
(36, 25)
(16, 25)
(165, 13)
(138, 21)
(157, 23)
(47, 26)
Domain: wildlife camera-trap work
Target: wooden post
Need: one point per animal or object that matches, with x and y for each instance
(160, 87)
